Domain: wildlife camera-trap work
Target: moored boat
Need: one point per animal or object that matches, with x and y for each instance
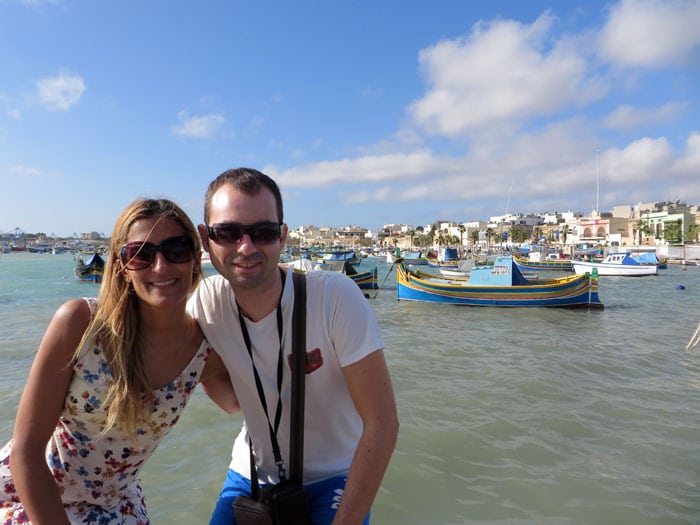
(648, 256)
(410, 257)
(535, 263)
(500, 284)
(587, 251)
(366, 280)
(617, 264)
(453, 273)
(90, 270)
(444, 258)
(340, 256)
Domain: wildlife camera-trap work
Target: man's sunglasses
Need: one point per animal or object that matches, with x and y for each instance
(139, 255)
(232, 232)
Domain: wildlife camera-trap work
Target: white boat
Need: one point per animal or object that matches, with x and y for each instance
(462, 270)
(453, 273)
(620, 264)
(414, 258)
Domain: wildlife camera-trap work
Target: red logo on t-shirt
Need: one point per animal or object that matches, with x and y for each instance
(314, 360)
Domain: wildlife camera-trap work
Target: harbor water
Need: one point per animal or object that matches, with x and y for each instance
(508, 416)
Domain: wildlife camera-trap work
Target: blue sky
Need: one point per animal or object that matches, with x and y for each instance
(366, 113)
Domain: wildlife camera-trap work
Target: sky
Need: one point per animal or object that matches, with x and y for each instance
(365, 113)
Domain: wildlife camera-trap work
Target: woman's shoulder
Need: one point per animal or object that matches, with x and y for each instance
(75, 312)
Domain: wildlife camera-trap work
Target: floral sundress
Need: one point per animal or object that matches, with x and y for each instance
(98, 475)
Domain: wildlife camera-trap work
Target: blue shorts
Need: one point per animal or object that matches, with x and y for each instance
(324, 498)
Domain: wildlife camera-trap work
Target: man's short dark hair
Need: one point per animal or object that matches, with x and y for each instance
(246, 180)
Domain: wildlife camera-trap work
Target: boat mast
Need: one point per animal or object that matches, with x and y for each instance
(509, 192)
(597, 181)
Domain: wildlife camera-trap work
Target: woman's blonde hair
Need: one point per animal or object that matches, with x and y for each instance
(116, 323)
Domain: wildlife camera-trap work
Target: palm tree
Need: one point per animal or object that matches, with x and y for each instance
(673, 232)
(497, 237)
(536, 233)
(565, 232)
(643, 228)
(474, 235)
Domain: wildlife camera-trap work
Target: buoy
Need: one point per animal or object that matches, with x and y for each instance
(680, 287)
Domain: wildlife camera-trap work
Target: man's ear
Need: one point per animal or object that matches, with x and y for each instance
(285, 232)
(204, 236)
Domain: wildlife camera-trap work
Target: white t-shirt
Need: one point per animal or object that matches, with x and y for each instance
(341, 329)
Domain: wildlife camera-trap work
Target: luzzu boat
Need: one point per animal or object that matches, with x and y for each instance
(91, 270)
(500, 284)
(366, 280)
(539, 264)
(340, 256)
(445, 258)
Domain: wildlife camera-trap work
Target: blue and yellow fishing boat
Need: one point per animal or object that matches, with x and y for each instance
(547, 264)
(501, 284)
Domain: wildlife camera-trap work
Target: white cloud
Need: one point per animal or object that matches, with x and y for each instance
(651, 33)
(639, 162)
(200, 127)
(688, 165)
(626, 116)
(499, 75)
(514, 91)
(61, 92)
(367, 169)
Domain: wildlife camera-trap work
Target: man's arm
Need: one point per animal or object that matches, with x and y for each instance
(217, 384)
(370, 388)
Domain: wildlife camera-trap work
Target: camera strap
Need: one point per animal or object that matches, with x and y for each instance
(298, 366)
(258, 383)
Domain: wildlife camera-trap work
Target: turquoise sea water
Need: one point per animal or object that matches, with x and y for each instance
(508, 416)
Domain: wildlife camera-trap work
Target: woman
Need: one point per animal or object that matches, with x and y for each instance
(110, 380)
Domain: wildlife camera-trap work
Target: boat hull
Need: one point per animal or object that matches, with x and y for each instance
(365, 280)
(573, 291)
(621, 270)
(91, 270)
(561, 265)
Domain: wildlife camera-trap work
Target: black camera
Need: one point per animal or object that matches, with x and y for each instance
(288, 503)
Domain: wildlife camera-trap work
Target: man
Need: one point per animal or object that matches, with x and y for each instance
(351, 422)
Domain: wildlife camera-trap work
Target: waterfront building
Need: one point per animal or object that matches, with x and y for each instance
(668, 223)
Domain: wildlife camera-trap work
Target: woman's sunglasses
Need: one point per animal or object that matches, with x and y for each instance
(232, 232)
(139, 255)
